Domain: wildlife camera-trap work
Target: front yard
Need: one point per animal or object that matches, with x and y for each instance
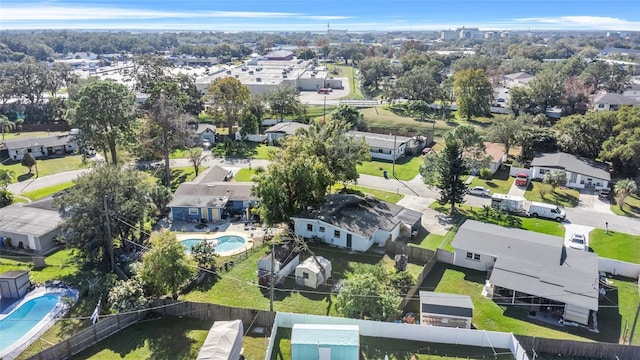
(406, 168)
(500, 183)
(631, 207)
(562, 197)
(615, 245)
(48, 166)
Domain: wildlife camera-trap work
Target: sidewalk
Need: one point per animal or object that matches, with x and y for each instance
(44, 181)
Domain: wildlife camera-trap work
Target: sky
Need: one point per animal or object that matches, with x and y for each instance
(314, 15)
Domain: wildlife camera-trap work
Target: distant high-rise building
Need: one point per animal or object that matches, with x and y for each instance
(449, 35)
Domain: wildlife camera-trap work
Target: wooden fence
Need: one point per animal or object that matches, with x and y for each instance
(112, 324)
(572, 349)
(423, 275)
(89, 336)
(414, 253)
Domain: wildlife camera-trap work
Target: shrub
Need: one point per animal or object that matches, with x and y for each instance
(486, 174)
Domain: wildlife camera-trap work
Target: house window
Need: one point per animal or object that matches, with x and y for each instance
(573, 178)
(542, 171)
(321, 229)
(193, 211)
(380, 150)
(336, 233)
(600, 106)
(305, 275)
(472, 256)
(309, 227)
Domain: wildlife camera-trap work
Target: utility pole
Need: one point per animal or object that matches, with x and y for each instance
(273, 251)
(393, 157)
(324, 111)
(107, 223)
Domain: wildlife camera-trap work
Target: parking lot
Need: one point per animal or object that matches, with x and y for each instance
(313, 98)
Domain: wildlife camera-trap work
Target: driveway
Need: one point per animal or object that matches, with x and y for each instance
(517, 190)
(589, 200)
(578, 229)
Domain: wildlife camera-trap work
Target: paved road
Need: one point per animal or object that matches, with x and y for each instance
(414, 187)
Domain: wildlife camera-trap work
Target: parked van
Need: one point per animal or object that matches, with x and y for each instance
(548, 211)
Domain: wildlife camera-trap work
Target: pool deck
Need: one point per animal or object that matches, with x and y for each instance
(13, 350)
(213, 235)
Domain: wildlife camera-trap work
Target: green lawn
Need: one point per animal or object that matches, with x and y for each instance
(241, 150)
(350, 73)
(429, 241)
(487, 315)
(382, 117)
(48, 167)
(241, 279)
(181, 153)
(48, 191)
(615, 245)
(32, 135)
(406, 168)
(60, 265)
(499, 184)
(549, 227)
(360, 190)
(244, 175)
(562, 197)
(631, 206)
(178, 175)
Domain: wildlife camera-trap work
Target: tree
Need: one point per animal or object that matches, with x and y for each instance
(474, 93)
(292, 182)
(505, 132)
(204, 255)
(576, 96)
(196, 158)
(284, 101)
(29, 162)
(351, 115)
(623, 147)
(374, 69)
(166, 267)
(421, 83)
(624, 188)
(6, 124)
(160, 197)
(555, 178)
(230, 98)
(545, 91)
(6, 176)
(84, 215)
(128, 295)
(104, 115)
(444, 169)
(584, 135)
(6, 198)
(364, 296)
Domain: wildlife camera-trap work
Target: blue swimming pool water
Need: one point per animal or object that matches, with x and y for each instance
(23, 319)
(224, 243)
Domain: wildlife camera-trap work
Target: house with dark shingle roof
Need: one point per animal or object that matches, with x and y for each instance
(530, 269)
(356, 223)
(41, 147)
(581, 172)
(210, 196)
(612, 102)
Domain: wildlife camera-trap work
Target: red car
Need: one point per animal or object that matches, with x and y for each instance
(522, 179)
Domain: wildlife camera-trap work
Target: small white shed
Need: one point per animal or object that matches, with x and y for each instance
(308, 273)
(14, 284)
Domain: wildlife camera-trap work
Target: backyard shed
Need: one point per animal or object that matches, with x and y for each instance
(309, 274)
(325, 342)
(14, 284)
(285, 260)
(447, 310)
(223, 342)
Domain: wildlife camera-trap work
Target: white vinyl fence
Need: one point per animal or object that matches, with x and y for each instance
(617, 267)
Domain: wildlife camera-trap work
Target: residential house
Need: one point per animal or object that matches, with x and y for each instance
(41, 147)
(495, 153)
(34, 226)
(530, 269)
(280, 130)
(448, 310)
(632, 91)
(517, 79)
(356, 223)
(319, 341)
(612, 102)
(309, 273)
(205, 133)
(382, 146)
(211, 197)
(581, 172)
(285, 260)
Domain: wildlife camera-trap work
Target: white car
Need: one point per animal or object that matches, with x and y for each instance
(479, 191)
(578, 241)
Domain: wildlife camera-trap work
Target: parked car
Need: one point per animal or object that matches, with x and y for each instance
(324, 91)
(426, 150)
(522, 179)
(479, 191)
(544, 210)
(501, 100)
(604, 193)
(578, 241)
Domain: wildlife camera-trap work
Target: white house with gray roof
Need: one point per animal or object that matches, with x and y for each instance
(581, 172)
(41, 147)
(517, 79)
(530, 269)
(280, 130)
(612, 102)
(383, 146)
(356, 223)
(34, 226)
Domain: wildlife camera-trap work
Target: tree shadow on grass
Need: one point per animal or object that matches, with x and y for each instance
(170, 340)
(24, 177)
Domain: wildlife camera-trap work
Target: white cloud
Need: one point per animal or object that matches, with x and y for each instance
(578, 23)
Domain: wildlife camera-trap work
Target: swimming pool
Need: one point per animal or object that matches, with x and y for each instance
(224, 244)
(24, 319)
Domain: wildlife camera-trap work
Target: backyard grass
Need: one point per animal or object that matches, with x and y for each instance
(48, 191)
(60, 265)
(406, 168)
(178, 175)
(561, 197)
(350, 73)
(487, 315)
(631, 207)
(165, 338)
(615, 245)
(244, 175)
(241, 150)
(431, 241)
(241, 279)
(381, 117)
(548, 227)
(47, 167)
(500, 183)
(360, 190)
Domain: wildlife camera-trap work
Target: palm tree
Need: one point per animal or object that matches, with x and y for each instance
(5, 123)
(623, 189)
